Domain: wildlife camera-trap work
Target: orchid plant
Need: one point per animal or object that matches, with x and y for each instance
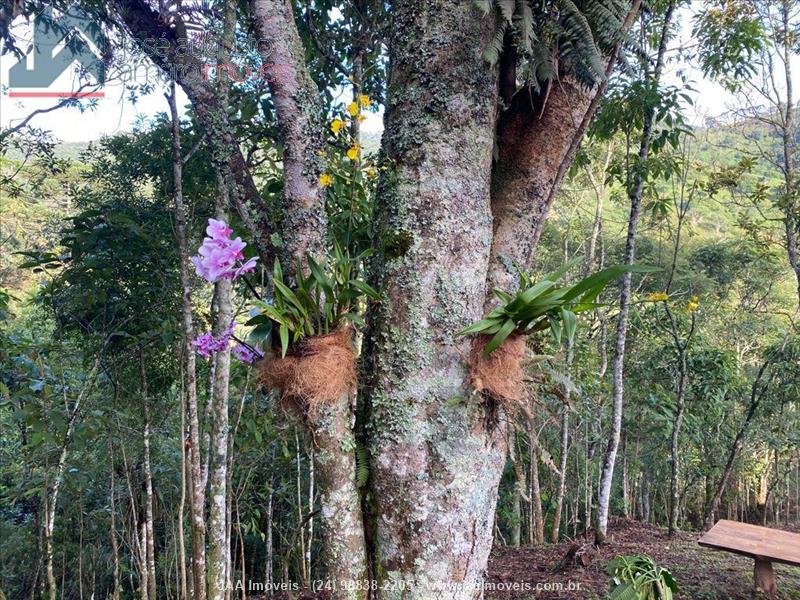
(545, 303)
(220, 257)
(323, 300)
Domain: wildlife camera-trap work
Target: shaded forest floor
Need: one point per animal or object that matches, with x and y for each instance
(535, 572)
(702, 574)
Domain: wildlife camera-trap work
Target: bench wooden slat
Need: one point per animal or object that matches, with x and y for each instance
(754, 541)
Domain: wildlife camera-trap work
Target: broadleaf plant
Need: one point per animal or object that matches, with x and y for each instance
(640, 578)
(319, 303)
(546, 303)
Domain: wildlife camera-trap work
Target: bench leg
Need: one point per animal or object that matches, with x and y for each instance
(765, 578)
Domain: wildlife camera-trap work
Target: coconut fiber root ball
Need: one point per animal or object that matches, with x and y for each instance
(499, 374)
(318, 370)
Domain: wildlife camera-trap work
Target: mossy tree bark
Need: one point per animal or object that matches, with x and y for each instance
(537, 139)
(435, 465)
(300, 122)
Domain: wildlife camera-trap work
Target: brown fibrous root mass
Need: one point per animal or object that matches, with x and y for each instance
(317, 371)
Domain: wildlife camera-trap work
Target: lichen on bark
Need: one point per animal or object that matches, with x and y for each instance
(434, 466)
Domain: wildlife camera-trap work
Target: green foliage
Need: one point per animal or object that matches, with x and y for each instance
(639, 578)
(729, 34)
(322, 300)
(557, 36)
(544, 303)
(624, 110)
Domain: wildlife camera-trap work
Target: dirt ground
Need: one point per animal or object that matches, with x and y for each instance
(535, 572)
(702, 574)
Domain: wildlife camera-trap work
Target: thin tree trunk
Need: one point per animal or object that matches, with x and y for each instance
(183, 594)
(51, 501)
(562, 476)
(677, 422)
(625, 487)
(268, 542)
(300, 512)
(148, 480)
(197, 495)
(114, 544)
(635, 196)
(217, 560)
(791, 222)
(536, 493)
(756, 394)
(144, 571)
(312, 458)
(519, 488)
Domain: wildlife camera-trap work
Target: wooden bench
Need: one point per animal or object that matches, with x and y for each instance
(762, 544)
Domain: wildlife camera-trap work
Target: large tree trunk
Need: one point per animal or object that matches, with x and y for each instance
(635, 197)
(435, 463)
(299, 114)
(536, 146)
(537, 139)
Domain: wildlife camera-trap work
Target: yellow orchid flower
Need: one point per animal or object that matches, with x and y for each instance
(353, 109)
(364, 100)
(657, 297)
(353, 152)
(337, 125)
(325, 180)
